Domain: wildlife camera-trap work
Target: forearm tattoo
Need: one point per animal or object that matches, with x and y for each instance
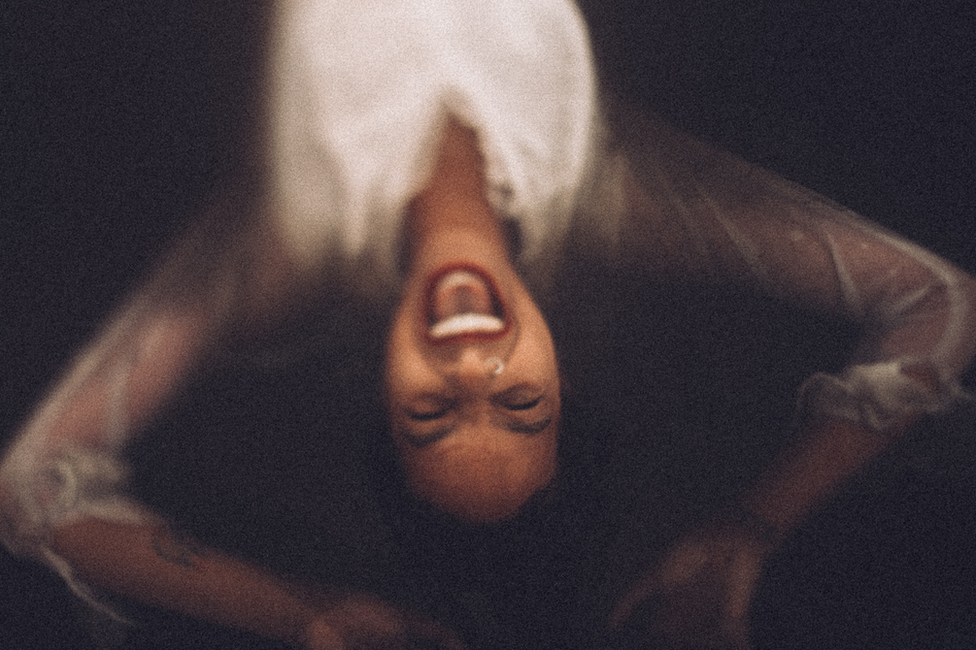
(176, 546)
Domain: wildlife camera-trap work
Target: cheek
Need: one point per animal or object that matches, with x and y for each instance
(540, 366)
(400, 365)
(544, 457)
(538, 348)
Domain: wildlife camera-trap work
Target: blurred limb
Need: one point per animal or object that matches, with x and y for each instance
(699, 595)
(688, 210)
(360, 621)
(155, 565)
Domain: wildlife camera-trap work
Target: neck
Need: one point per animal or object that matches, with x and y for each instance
(453, 208)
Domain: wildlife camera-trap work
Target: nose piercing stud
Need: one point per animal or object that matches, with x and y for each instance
(494, 366)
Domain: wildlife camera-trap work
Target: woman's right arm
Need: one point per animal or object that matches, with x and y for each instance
(700, 214)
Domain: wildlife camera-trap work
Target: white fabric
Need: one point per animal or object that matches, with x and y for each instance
(878, 395)
(52, 477)
(707, 214)
(55, 477)
(359, 91)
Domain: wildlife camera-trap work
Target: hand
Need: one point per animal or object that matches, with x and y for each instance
(360, 621)
(699, 595)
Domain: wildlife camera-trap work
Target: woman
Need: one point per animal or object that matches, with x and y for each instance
(422, 127)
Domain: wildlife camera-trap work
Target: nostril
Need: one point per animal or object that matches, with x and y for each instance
(473, 368)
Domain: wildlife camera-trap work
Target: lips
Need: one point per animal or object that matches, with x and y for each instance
(463, 302)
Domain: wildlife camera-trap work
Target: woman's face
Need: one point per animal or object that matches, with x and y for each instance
(472, 386)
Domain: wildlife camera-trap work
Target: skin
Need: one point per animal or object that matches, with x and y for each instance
(473, 443)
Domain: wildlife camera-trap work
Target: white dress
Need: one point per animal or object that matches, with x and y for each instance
(356, 94)
(358, 91)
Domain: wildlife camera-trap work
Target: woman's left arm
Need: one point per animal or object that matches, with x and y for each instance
(697, 211)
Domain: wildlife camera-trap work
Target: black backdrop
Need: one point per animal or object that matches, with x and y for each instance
(116, 119)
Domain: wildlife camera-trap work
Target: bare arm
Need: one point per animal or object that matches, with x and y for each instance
(152, 564)
(703, 213)
(155, 565)
(62, 483)
(64, 462)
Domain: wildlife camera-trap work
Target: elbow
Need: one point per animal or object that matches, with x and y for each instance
(961, 334)
(969, 292)
(38, 496)
(967, 289)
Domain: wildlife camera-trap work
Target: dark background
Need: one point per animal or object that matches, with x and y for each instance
(117, 119)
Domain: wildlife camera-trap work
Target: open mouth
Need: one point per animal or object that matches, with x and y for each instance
(462, 302)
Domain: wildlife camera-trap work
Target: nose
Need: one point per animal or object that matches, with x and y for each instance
(475, 368)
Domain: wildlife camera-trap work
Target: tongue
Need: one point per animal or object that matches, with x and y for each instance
(462, 304)
(461, 292)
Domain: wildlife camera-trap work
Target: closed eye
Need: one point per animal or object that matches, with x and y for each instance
(427, 416)
(524, 406)
(422, 440)
(520, 397)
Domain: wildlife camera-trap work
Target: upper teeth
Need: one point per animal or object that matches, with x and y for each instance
(466, 324)
(456, 278)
